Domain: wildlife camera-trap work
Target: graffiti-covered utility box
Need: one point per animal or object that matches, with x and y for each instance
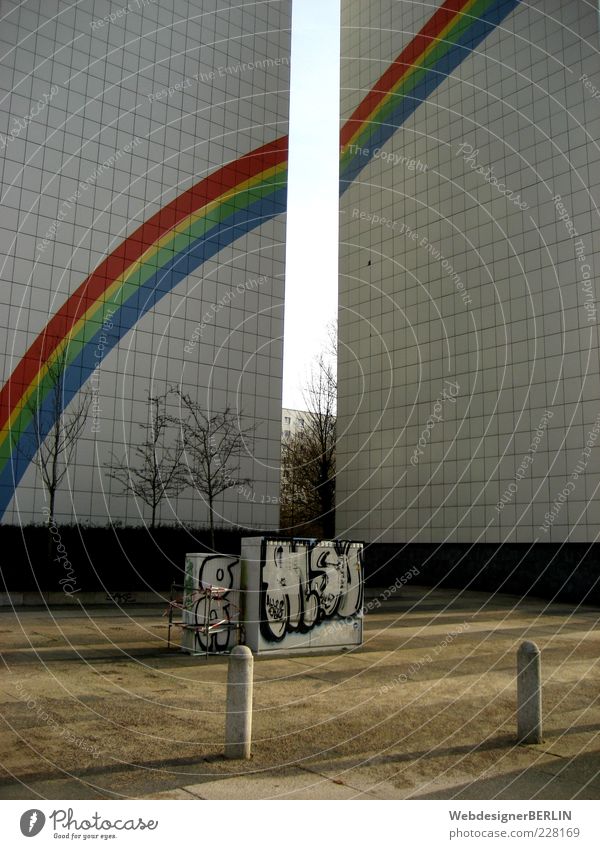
(210, 617)
(301, 595)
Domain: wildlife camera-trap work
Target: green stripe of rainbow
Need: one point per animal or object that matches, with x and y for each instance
(235, 199)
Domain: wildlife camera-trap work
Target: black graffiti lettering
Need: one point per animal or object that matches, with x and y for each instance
(300, 590)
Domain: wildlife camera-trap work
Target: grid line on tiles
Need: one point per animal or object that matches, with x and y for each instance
(184, 136)
(526, 326)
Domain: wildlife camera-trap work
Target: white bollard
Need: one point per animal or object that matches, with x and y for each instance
(238, 721)
(529, 694)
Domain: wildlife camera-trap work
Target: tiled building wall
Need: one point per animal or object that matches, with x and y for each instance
(469, 369)
(166, 92)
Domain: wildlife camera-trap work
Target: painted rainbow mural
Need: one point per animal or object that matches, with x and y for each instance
(211, 215)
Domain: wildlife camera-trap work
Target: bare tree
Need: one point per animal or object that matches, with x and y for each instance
(308, 458)
(51, 451)
(321, 396)
(159, 471)
(214, 445)
(298, 506)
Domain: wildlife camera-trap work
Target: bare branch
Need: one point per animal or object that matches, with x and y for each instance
(158, 471)
(214, 445)
(308, 457)
(51, 450)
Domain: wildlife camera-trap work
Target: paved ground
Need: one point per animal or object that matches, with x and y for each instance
(95, 706)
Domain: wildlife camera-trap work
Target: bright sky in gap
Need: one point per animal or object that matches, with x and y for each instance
(312, 219)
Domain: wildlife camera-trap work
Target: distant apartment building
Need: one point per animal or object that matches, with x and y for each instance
(293, 422)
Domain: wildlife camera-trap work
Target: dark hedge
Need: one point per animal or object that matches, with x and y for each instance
(98, 559)
(564, 572)
(117, 559)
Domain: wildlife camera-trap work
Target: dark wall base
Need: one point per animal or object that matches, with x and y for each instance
(91, 559)
(563, 572)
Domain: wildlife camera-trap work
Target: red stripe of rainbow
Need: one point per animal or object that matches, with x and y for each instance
(211, 206)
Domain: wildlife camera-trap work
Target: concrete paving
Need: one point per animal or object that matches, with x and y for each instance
(95, 706)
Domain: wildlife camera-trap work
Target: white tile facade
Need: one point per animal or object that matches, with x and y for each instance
(475, 341)
(194, 85)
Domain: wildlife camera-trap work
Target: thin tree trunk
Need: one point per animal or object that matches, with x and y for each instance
(49, 547)
(212, 525)
(52, 496)
(50, 540)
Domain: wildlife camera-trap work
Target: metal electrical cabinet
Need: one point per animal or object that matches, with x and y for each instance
(210, 604)
(301, 595)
